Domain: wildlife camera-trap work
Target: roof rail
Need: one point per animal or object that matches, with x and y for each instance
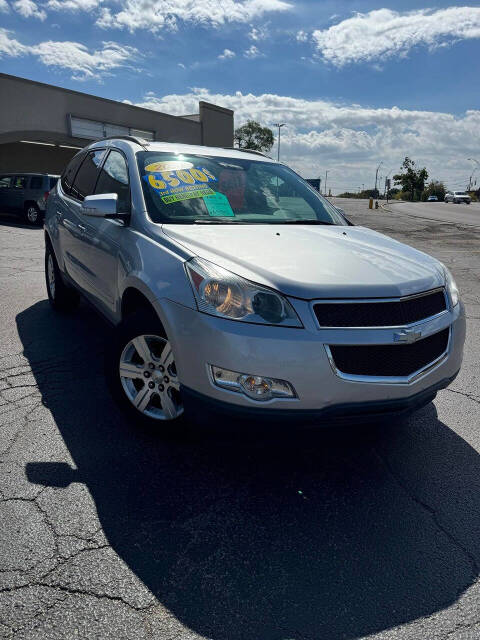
(258, 153)
(143, 143)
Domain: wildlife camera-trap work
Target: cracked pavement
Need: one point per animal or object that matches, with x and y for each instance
(108, 532)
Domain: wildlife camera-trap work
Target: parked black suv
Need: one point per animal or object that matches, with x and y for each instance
(26, 194)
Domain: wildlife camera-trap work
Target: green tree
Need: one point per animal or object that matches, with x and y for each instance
(253, 136)
(411, 178)
(434, 188)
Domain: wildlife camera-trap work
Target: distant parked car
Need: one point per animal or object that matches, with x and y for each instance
(26, 194)
(432, 199)
(457, 197)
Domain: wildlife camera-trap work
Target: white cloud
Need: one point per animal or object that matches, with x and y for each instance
(73, 5)
(252, 52)
(9, 46)
(4, 8)
(302, 36)
(71, 55)
(385, 33)
(348, 140)
(165, 14)
(227, 53)
(29, 9)
(258, 33)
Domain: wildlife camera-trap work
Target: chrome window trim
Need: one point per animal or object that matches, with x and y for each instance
(405, 380)
(380, 300)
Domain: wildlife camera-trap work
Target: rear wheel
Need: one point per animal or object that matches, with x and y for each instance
(143, 376)
(60, 296)
(32, 214)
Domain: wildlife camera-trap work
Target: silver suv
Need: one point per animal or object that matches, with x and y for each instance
(26, 194)
(457, 197)
(237, 289)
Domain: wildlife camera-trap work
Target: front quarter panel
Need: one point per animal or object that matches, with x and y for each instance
(154, 266)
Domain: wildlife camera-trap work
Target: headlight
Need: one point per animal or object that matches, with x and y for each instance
(222, 293)
(452, 288)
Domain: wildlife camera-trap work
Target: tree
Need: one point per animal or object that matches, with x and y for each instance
(411, 179)
(253, 136)
(434, 188)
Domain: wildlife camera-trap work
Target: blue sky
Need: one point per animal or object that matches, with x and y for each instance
(356, 82)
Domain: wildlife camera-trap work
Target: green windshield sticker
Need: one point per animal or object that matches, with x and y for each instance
(218, 205)
(187, 195)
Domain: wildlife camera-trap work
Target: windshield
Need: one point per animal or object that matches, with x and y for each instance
(460, 193)
(194, 189)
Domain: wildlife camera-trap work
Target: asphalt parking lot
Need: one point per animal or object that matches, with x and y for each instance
(106, 532)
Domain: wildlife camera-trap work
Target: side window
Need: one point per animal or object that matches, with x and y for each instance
(5, 182)
(69, 173)
(36, 182)
(52, 182)
(19, 182)
(84, 182)
(113, 178)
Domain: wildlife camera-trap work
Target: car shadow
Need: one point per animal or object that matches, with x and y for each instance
(15, 221)
(328, 534)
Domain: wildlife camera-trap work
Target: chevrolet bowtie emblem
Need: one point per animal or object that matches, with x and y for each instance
(407, 335)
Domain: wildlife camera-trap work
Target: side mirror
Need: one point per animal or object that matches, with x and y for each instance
(103, 205)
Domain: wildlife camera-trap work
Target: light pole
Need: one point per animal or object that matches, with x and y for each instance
(326, 174)
(471, 176)
(279, 125)
(376, 178)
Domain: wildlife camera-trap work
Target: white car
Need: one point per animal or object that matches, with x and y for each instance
(457, 197)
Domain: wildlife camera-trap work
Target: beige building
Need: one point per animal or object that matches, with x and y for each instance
(43, 126)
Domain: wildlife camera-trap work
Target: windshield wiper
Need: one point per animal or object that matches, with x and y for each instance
(305, 221)
(215, 221)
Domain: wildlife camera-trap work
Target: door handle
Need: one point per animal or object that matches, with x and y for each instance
(82, 228)
(59, 214)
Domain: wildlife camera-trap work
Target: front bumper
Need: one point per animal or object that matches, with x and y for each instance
(298, 356)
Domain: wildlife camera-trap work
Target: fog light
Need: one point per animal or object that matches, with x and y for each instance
(255, 387)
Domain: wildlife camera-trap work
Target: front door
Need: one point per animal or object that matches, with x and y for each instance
(104, 237)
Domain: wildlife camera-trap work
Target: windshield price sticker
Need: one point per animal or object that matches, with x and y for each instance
(179, 181)
(218, 205)
(187, 195)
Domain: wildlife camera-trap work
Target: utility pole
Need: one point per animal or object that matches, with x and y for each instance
(376, 178)
(279, 125)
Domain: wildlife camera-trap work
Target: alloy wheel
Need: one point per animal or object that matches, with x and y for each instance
(32, 214)
(149, 377)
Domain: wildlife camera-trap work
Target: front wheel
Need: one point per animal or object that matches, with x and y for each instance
(142, 374)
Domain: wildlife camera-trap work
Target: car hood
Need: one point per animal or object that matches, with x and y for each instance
(314, 261)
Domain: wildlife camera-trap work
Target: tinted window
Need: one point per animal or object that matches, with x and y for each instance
(84, 182)
(114, 179)
(36, 182)
(69, 173)
(52, 182)
(5, 181)
(19, 182)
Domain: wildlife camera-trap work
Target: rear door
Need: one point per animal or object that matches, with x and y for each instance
(5, 183)
(17, 192)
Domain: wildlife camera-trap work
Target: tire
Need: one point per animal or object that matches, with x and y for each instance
(60, 296)
(32, 215)
(149, 392)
